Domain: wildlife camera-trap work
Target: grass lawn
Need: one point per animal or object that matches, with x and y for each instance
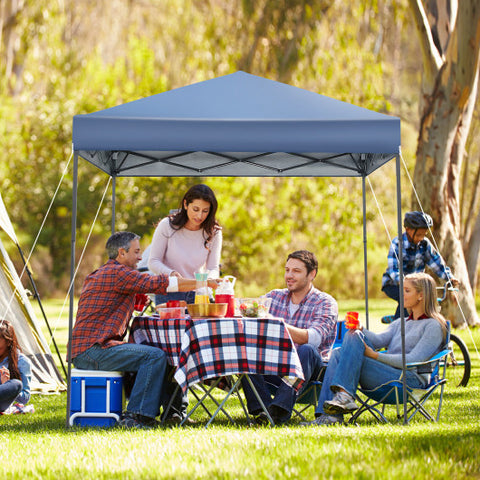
(39, 446)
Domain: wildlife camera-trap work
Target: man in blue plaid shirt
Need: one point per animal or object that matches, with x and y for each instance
(311, 319)
(418, 252)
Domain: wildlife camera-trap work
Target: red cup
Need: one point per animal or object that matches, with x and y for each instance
(229, 300)
(141, 300)
(351, 320)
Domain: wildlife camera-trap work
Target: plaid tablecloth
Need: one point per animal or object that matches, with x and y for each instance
(165, 334)
(215, 347)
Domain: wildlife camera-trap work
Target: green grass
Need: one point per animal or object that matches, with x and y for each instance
(39, 446)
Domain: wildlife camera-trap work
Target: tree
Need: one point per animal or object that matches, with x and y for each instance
(449, 33)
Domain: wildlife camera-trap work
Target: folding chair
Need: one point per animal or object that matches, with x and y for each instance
(309, 396)
(391, 393)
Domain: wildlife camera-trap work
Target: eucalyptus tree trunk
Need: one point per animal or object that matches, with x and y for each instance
(450, 45)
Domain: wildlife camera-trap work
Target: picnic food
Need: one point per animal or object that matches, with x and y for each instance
(254, 307)
(172, 312)
(203, 310)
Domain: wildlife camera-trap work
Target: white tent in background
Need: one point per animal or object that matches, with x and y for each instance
(15, 307)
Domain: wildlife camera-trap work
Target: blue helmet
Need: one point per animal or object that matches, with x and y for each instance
(417, 220)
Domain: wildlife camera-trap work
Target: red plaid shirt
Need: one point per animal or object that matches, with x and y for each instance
(106, 304)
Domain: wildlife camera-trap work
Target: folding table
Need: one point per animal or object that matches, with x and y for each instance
(214, 348)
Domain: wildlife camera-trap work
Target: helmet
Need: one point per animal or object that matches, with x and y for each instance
(417, 220)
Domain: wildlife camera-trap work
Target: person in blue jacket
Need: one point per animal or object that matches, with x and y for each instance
(15, 369)
(418, 252)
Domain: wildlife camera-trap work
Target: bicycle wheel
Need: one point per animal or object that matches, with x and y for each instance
(458, 364)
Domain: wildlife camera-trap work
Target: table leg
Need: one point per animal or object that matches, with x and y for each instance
(200, 402)
(214, 400)
(227, 396)
(197, 398)
(245, 410)
(264, 408)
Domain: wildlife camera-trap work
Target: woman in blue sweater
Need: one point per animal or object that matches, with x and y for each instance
(357, 362)
(15, 369)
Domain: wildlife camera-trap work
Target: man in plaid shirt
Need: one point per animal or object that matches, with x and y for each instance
(105, 308)
(311, 319)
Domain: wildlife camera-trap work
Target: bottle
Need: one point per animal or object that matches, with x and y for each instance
(225, 294)
(201, 287)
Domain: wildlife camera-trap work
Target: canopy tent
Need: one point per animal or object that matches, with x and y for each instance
(237, 125)
(15, 307)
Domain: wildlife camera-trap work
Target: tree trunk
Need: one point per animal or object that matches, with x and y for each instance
(449, 92)
(473, 253)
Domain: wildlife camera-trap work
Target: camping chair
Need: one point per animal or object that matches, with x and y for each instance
(391, 393)
(309, 396)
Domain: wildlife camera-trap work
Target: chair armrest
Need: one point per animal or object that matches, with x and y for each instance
(436, 357)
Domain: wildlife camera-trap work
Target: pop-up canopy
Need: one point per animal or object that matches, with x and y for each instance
(238, 125)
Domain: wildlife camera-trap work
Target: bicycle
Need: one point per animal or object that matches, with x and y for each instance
(459, 364)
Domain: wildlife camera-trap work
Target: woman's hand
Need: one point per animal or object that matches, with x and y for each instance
(370, 352)
(4, 375)
(213, 283)
(175, 274)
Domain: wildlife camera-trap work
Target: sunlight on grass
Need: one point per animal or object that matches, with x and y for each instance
(39, 445)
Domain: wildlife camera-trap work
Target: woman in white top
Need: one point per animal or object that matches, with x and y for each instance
(189, 241)
(186, 242)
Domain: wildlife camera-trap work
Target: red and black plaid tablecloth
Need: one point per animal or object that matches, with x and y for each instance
(165, 334)
(209, 348)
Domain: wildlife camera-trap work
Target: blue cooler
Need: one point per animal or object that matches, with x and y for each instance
(96, 398)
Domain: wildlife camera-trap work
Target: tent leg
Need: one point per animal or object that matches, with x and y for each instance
(114, 184)
(365, 264)
(72, 278)
(400, 268)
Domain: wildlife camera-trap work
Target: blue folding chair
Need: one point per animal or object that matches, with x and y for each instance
(310, 394)
(391, 393)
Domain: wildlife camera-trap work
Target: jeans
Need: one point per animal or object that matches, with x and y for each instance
(149, 363)
(393, 291)
(9, 391)
(284, 395)
(189, 297)
(348, 367)
(180, 402)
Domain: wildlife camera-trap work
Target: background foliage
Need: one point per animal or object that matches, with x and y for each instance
(59, 59)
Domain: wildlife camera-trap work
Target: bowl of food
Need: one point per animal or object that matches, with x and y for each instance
(171, 312)
(254, 307)
(205, 310)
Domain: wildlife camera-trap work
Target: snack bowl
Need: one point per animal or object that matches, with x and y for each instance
(175, 312)
(203, 310)
(254, 307)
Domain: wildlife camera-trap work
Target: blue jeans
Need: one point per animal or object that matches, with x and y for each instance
(149, 363)
(189, 297)
(180, 402)
(9, 391)
(284, 395)
(393, 291)
(348, 367)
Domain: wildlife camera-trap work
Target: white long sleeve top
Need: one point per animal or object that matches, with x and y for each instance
(184, 251)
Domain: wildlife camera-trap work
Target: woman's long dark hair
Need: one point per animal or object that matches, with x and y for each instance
(210, 224)
(8, 333)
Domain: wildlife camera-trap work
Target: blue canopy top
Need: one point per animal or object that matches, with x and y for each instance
(237, 125)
